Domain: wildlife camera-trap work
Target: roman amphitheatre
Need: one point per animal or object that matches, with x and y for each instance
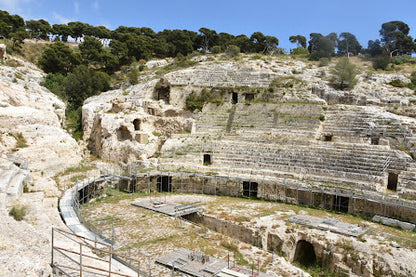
(277, 173)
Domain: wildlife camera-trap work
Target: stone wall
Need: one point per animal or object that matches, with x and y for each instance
(344, 201)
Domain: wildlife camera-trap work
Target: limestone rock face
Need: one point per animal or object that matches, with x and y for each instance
(32, 115)
(31, 127)
(129, 125)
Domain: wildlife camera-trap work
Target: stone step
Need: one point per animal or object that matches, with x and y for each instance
(15, 188)
(6, 177)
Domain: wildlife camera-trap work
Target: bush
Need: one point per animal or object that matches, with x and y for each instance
(18, 212)
(55, 82)
(299, 51)
(398, 83)
(216, 49)
(401, 59)
(58, 58)
(323, 62)
(380, 63)
(413, 77)
(343, 74)
(232, 51)
(84, 82)
(196, 101)
(133, 76)
(20, 140)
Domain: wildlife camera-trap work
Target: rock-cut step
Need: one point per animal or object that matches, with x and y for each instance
(15, 188)
(6, 176)
(12, 180)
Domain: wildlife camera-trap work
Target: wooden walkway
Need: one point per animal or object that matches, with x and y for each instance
(170, 209)
(200, 265)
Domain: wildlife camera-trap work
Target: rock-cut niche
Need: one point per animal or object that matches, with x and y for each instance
(305, 253)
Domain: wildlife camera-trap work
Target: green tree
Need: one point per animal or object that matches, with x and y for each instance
(55, 82)
(264, 44)
(299, 40)
(58, 58)
(39, 29)
(320, 46)
(225, 40)
(84, 82)
(374, 48)
(119, 49)
(10, 24)
(91, 50)
(178, 41)
(77, 29)
(63, 31)
(343, 74)
(18, 38)
(347, 44)
(232, 51)
(244, 43)
(395, 38)
(208, 38)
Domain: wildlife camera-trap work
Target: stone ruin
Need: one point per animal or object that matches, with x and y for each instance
(323, 153)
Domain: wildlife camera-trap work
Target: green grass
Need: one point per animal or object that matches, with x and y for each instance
(18, 212)
(20, 140)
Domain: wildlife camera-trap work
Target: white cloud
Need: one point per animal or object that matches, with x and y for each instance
(76, 7)
(95, 5)
(12, 6)
(60, 18)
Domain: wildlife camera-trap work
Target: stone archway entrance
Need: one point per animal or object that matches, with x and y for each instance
(305, 253)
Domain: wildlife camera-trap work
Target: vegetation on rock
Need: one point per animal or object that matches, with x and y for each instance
(343, 74)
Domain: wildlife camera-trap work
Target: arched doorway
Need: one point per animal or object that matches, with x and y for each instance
(305, 253)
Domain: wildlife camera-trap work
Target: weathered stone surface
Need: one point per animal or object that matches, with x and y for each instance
(394, 223)
(31, 127)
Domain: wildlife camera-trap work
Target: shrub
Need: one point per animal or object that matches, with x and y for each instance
(196, 101)
(20, 140)
(401, 59)
(133, 76)
(343, 74)
(398, 83)
(216, 49)
(323, 62)
(413, 77)
(380, 63)
(299, 51)
(232, 51)
(18, 212)
(55, 82)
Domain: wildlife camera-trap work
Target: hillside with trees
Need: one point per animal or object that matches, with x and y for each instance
(100, 56)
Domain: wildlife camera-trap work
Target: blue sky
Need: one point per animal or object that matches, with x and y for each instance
(277, 18)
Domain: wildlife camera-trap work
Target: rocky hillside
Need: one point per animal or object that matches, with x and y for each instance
(31, 127)
(130, 124)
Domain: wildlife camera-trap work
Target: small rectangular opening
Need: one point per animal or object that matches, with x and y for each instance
(250, 189)
(249, 96)
(328, 137)
(207, 159)
(235, 98)
(375, 140)
(392, 181)
(151, 111)
(341, 203)
(164, 184)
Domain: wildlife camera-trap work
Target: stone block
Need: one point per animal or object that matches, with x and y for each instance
(142, 138)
